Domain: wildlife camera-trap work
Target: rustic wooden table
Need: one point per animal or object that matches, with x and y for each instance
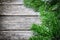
(16, 20)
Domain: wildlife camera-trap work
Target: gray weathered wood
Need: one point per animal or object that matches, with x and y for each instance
(11, 1)
(15, 35)
(17, 22)
(16, 10)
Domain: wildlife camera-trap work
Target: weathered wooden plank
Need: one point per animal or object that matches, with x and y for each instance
(17, 22)
(16, 10)
(11, 1)
(15, 35)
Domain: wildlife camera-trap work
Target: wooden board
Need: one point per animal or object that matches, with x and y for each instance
(18, 22)
(11, 1)
(16, 10)
(15, 35)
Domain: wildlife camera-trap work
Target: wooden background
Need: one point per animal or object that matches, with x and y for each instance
(16, 20)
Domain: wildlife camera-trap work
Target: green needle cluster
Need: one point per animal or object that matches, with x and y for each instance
(49, 10)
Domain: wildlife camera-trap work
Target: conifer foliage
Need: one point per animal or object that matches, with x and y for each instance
(49, 10)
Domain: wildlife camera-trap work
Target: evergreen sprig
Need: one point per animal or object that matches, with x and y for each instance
(49, 10)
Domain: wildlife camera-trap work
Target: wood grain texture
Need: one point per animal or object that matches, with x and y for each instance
(16, 10)
(11, 1)
(18, 22)
(15, 35)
